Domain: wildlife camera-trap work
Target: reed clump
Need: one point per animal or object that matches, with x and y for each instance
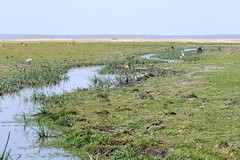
(35, 77)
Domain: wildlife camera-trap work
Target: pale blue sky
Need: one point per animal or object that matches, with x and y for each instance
(141, 17)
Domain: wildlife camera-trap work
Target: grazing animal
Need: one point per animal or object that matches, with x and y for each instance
(29, 61)
(199, 50)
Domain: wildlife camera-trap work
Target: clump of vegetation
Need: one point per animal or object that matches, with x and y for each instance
(101, 82)
(42, 75)
(187, 110)
(42, 132)
(139, 69)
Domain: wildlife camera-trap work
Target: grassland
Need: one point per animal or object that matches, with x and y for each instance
(190, 113)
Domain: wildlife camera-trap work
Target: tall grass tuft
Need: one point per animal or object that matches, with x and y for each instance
(42, 132)
(100, 82)
(36, 77)
(6, 155)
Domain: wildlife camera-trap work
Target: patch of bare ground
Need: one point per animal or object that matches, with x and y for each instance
(191, 78)
(2, 68)
(210, 69)
(203, 69)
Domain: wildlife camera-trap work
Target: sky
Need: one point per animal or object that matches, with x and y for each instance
(129, 17)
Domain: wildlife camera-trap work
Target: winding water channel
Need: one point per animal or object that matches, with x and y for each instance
(151, 56)
(23, 140)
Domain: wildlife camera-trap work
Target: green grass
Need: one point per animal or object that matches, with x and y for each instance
(191, 112)
(38, 76)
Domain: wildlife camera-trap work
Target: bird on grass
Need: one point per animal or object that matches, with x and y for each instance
(147, 74)
(136, 78)
(127, 66)
(126, 79)
(144, 76)
(182, 56)
(29, 61)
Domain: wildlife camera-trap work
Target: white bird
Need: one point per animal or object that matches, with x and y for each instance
(183, 54)
(136, 78)
(29, 61)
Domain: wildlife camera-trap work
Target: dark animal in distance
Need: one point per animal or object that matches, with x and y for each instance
(199, 50)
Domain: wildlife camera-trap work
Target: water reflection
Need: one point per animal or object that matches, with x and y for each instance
(13, 106)
(189, 49)
(151, 57)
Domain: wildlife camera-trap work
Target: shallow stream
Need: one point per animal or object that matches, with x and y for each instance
(24, 140)
(151, 57)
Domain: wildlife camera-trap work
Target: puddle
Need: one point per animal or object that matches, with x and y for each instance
(189, 49)
(151, 57)
(24, 140)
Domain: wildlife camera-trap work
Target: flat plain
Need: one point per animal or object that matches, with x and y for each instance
(188, 109)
